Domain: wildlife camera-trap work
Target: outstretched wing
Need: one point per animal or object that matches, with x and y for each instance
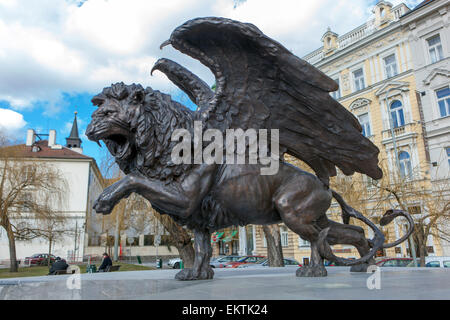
(261, 84)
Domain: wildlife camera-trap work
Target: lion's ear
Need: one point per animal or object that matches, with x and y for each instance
(98, 99)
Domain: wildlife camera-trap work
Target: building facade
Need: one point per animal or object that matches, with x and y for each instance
(375, 67)
(429, 37)
(84, 183)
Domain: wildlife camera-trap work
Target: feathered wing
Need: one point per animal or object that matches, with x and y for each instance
(262, 85)
(196, 89)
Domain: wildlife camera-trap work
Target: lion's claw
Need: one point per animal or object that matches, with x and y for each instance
(102, 206)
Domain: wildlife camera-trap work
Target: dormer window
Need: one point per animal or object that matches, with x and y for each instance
(35, 149)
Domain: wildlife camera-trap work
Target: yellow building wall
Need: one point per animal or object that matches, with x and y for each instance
(375, 114)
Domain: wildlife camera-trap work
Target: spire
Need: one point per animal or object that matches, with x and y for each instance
(74, 141)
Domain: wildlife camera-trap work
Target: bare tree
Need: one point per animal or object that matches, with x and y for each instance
(181, 238)
(429, 204)
(52, 226)
(129, 209)
(29, 189)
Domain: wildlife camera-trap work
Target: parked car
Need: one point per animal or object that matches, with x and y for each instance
(437, 262)
(219, 262)
(246, 259)
(39, 259)
(433, 262)
(288, 262)
(174, 263)
(394, 262)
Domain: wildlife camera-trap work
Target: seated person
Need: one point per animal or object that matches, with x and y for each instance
(106, 262)
(58, 265)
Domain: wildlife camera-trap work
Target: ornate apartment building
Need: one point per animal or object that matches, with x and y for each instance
(393, 75)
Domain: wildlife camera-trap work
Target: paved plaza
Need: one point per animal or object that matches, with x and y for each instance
(236, 284)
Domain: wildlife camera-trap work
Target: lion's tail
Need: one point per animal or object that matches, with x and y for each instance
(347, 212)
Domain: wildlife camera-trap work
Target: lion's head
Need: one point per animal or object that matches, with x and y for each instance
(136, 126)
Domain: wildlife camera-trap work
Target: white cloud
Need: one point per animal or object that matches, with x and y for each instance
(53, 46)
(11, 122)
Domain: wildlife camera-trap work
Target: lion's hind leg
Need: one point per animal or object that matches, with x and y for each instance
(301, 203)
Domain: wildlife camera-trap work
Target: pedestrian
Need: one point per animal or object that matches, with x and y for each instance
(58, 265)
(106, 262)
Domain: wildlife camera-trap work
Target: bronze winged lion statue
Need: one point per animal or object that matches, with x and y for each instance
(259, 85)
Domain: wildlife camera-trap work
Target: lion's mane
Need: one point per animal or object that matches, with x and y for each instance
(153, 123)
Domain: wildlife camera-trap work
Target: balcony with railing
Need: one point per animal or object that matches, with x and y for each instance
(399, 132)
(356, 35)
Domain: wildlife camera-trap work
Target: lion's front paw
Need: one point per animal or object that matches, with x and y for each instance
(103, 206)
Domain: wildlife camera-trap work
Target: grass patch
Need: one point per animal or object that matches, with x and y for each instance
(43, 271)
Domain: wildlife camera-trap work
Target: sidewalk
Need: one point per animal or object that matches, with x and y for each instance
(236, 284)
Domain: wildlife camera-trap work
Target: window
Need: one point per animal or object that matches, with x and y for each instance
(148, 240)
(390, 263)
(358, 78)
(443, 99)
(284, 237)
(390, 66)
(405, 164)
(336, 94)
(446, 264)
(365, 124)
(398, 118)
(303, 243)
(26, 201)
(435, 49)
(415, 210)
(448, 155)
(253, 259)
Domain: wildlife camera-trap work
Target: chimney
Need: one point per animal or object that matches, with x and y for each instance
(31, 137)
(51, 138)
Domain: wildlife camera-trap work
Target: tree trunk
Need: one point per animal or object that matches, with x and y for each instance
(181, 239)
(420, 240)
(423, 253)
(12, 249)
(274, 249)
(49, 251)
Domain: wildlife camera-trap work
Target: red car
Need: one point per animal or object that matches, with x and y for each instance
(244, 260)
(39, 259)
(394, 262)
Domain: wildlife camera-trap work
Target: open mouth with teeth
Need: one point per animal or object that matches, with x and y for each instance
(117, 144)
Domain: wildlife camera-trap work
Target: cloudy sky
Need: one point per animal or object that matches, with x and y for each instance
(56, 54)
